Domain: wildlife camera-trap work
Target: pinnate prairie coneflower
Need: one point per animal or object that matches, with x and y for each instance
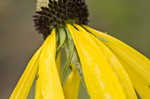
(109, 68)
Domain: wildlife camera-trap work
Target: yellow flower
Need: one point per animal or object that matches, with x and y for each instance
(74, 53)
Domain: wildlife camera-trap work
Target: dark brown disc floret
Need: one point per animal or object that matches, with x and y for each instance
(60, 12)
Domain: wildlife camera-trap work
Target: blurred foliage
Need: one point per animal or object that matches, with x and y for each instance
(128, 20)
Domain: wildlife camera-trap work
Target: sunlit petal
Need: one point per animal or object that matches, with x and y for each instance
(137, 65)
(100, 79)
(72, 84)
(117, 67)
(139, 82)
(23, 86)
(58, 63)
(48, 74)
(38, 90)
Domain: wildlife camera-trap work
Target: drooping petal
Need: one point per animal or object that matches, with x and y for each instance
(38, 94)
(58, 63)
(23, 86)
(72, 84)
(117, 67)
(100, 79)
(48, 74)
(140, 84)
(136, 64)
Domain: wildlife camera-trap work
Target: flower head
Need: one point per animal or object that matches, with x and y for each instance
(109, 68)
(58, 13)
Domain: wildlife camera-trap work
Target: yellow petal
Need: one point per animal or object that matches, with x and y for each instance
(38, 94)
(100, 79)
(118, 68)
(48, 74)
(23, 86)
(72, 84)
(136, 64)
(58, 63)
(140, 84)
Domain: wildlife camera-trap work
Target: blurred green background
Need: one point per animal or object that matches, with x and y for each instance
(128, 20)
